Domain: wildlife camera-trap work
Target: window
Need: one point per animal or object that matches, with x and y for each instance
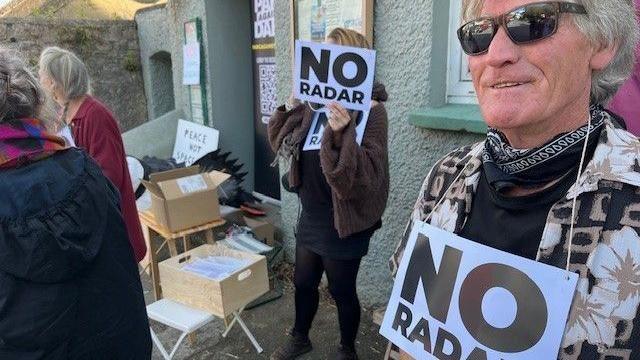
(459, 86)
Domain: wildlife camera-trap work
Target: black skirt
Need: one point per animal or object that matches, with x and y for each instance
(319, 235)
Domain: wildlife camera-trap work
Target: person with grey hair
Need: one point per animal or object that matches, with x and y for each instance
(94, 129)
(69, 283)
(556, 180)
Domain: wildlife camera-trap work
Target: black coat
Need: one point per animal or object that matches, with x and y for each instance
(69, 284)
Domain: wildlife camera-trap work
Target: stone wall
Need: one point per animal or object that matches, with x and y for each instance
(404, 54)
(110, 50)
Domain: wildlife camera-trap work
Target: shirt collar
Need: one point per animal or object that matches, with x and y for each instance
(616, 158)
(83, 109)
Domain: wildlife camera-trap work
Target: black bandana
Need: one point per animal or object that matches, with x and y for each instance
(507, 167)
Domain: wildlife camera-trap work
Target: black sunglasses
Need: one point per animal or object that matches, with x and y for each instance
(524, 24)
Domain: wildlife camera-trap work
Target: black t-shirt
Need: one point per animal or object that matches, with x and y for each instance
(314, 191)
(316, 230)
(512, 224)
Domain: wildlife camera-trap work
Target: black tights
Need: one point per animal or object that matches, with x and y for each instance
(342, 276)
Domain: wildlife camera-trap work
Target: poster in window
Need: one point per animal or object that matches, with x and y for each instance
(318, 22)
(314, 19)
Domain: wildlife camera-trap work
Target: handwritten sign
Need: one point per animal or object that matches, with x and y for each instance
(457, 299)
(324, 73)
(191, 69)
(193, 141)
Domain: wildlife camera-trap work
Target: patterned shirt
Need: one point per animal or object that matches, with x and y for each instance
(605, 252)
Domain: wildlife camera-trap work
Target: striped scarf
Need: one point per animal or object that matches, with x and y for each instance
(26, 140)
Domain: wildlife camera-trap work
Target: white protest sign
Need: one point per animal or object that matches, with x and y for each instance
(324, 73)
(191, 60)
(314, 136)
(457, 299)
(193, 141)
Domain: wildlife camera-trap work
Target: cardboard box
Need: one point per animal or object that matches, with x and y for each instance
(263, 230)
(222, 297)
(184, 198)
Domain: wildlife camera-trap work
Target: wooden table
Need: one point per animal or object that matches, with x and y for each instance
(149, 224)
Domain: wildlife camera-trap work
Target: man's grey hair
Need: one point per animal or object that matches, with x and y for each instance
(68, 72)
(21, 95)
(607, 23)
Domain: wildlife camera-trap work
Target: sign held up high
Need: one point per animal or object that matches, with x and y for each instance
(325, 73)
(456, 299)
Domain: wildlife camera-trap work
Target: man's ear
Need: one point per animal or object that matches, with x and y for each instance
(602, 56)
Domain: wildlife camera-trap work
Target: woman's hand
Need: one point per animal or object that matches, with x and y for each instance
(292, 102)
(338, 116)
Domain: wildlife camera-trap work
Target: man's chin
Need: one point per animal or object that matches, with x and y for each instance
(503, 117)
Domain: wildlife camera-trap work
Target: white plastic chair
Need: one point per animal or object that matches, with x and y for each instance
(177, 316)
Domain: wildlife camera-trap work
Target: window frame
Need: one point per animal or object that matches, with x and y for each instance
(460, 88)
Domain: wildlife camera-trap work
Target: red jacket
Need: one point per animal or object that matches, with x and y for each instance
(96, 131)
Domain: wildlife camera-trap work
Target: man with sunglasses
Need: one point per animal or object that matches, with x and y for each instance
(557, 179)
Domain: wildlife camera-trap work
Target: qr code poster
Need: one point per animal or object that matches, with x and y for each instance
(267, 73)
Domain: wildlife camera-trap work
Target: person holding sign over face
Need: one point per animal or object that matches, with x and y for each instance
(343, 190)
(65, 77)
(556, 181)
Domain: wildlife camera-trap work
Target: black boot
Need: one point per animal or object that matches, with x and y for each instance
(346, 353)
(295, 346)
